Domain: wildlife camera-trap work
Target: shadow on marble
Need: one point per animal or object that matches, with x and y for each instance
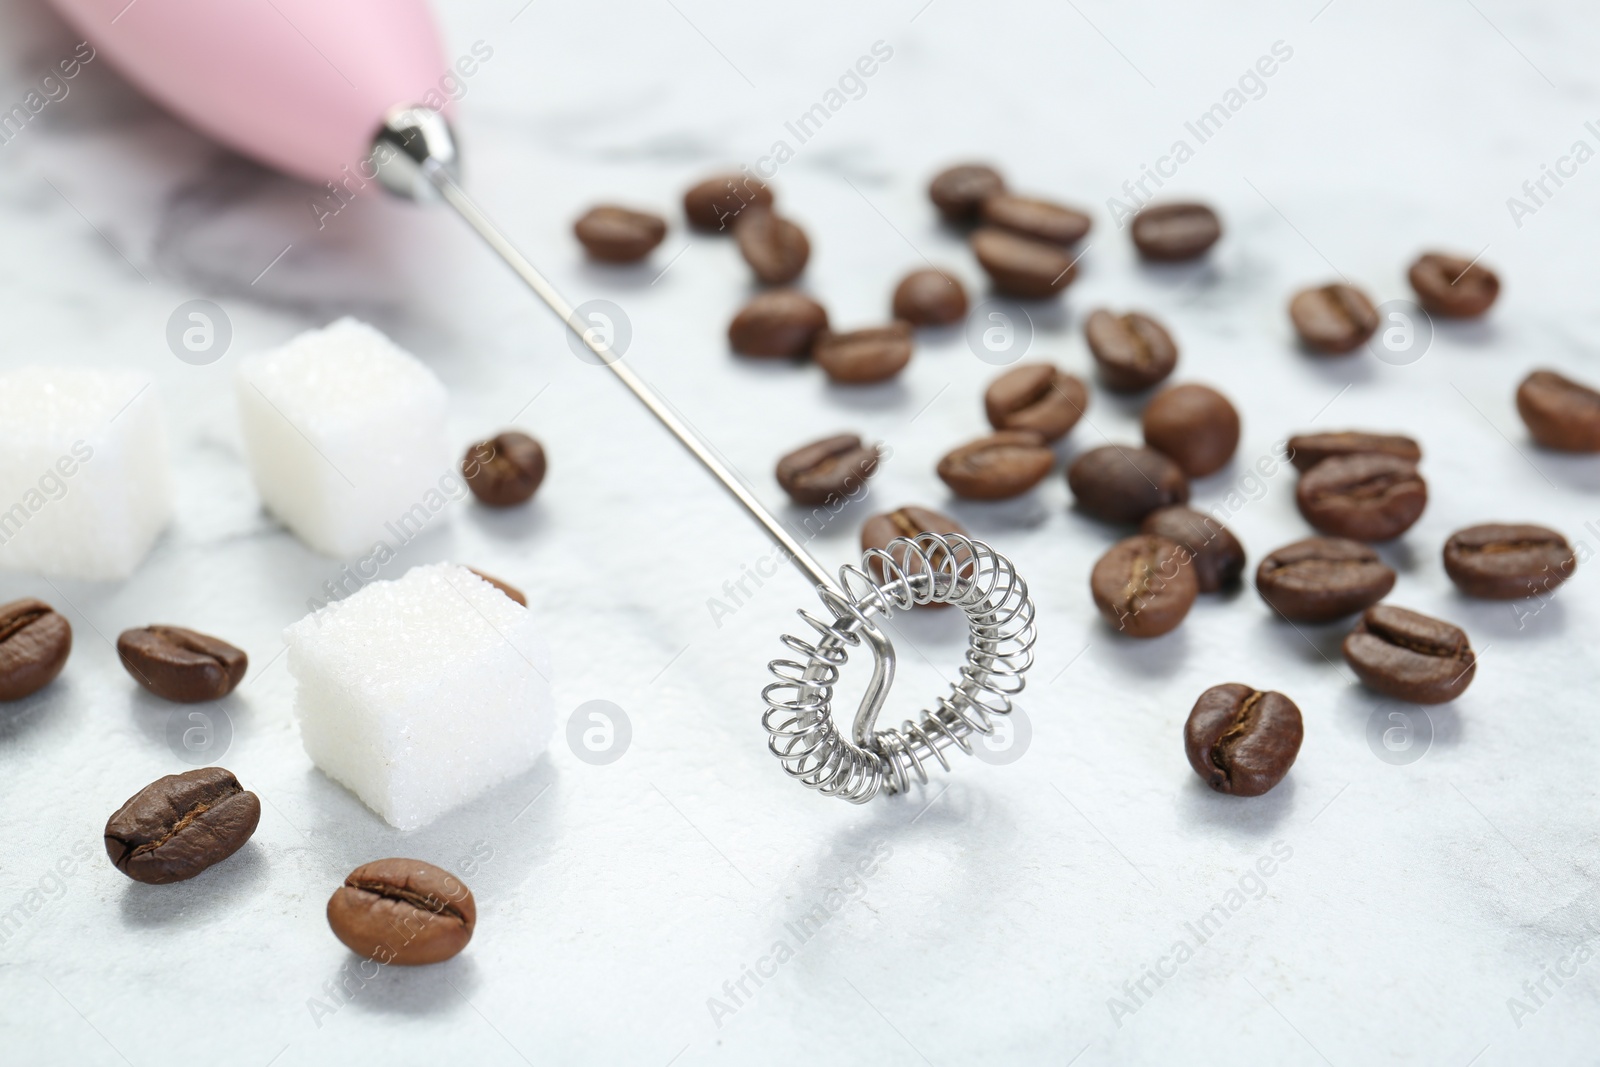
(492, 842)
(436, 989)
(19, 718)
(985, 519)
(1529, 619)
(219, 892)
(1141, 659)
(1308, 642)
(893, 395)
(524, 522)
(1255, 818)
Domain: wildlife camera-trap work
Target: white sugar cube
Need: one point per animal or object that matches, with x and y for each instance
(84, 483)
(419, 694)
(345, 435)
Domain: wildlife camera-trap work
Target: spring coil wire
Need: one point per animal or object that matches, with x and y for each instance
(926, 569)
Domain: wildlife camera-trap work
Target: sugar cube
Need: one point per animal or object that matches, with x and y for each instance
(85, 489)
(420, 693)
(345, 435)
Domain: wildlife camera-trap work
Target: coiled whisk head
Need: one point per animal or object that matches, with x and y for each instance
(926, 569)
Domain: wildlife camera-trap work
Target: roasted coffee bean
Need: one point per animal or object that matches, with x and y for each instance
(1133, 351)
(1172, 232)
(614, 234)
(35, 641)
(179, 825)
(863, 356)
(1409, 656)
(1242, 741)
(1368, 496)
(827, 470)
(1195, 425)
(1144, 585)
(1216, 556)
(1308, 449)
(715, 203)
(997, 467)
(181, 665)
(1334, 318)
(780, 324)
(1453, 286)
(1040, 219)
(1560, 413)
(405, 912)
(1499, 561)
(509, 590)
(1120, 483)
(1036, 396)
(958, 192)
(1322, 578)
(930, 298)
(1021, 266)
(775, 248)
(505, 470)
(909, 522)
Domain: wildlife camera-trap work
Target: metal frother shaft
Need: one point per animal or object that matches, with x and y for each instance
(416, 157)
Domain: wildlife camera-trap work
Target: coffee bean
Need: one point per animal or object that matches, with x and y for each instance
(775, 248)
(909, 521)
(505, 470)
(1368, 496)
(1453, 286)
(930, 298)
(1041, 220)
(1334, 318)
(404, 912)
(1172, 232)
(1021, 266)
(179, 825)
(780, 324)
(1144, 586)
(35, 641)
(959, 191)
(1409, 656)
(997, 467)
(1216, 556)
(1242, 741)
(1499, 561)
(181, 665)
(1322, 578)
(509, 590)
(1309, 449)
(827, 470)
(1133, 351)
(1124, 484)
(1036, 396)
(1195, 425)
(863, 356)
(1560, 413)
(714, 204)
(614, 234)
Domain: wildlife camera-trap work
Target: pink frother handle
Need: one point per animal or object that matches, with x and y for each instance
(300, 85)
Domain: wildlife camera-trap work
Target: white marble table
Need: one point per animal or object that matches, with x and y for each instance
(1011, 912)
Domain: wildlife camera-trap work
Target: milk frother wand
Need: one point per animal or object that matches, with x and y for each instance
(316, 89)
